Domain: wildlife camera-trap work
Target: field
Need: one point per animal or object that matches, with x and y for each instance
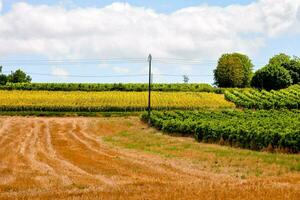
(124, 158)
(121, 158)
(250, 98)
(257, 130)
(107, 101)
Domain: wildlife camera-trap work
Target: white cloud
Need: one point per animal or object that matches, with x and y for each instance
(122, 30)
(60, 72)
(121, 70)
(1, 6)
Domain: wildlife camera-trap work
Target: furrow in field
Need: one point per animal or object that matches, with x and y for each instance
(11, 159)
(47, 174)
(5, 130)
(106, 165)
(4, 126)
(64, 167)
(87, 172)
(46, 157)
(143, 161)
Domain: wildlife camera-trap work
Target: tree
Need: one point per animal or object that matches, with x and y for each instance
(233, 70)
(185, 78)
(3, 77)
(294, 69)
(279, 59)
(291, 64)
(18, 77)
(272, 76)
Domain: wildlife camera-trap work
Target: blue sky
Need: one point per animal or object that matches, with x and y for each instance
(158, 5)
(185, 37)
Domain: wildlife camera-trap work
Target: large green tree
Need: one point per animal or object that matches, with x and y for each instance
(233, 70)
(279, 59)
(18, 77)
(270, 77)
(289, 63)
(293, 66)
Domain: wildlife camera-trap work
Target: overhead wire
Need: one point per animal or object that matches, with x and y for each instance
(112, 76)
(174, 61)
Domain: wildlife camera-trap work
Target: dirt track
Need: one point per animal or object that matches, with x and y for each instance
(65, 158)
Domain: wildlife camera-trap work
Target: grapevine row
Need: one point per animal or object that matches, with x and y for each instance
(276, 129)
(254, 99)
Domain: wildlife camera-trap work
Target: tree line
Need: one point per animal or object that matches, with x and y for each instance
(17, 76)
(236, 70)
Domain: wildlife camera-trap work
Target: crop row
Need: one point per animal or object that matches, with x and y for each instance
(106, 101)
(250, 98)
(275, 129)
(110, 87)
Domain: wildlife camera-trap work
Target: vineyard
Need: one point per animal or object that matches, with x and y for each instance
(107, 101)
(250, 98)
(274, 129)
(100, 87)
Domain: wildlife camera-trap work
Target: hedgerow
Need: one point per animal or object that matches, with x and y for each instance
(201, 87)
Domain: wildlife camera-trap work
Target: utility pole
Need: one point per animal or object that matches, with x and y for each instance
(149, 88)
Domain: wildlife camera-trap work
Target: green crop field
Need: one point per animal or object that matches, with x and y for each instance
(247, 129)
(250, 98)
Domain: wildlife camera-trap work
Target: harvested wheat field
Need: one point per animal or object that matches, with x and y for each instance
(121, 158)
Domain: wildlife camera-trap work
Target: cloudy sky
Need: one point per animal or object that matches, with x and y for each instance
(109, 41)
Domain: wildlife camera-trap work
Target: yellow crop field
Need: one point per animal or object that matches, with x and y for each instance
(107, 101)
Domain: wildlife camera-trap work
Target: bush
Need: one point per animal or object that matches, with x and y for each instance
(271, 77)
(233, 70)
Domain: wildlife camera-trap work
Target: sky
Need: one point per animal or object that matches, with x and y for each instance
(109, 41)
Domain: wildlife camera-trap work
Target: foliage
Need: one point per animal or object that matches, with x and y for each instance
(279, 59)
(294, 69)
(281, 72)
(111, 87)
(106, 101)
(233, 70)
(15, 77)
(250, 98)
(3, 78)
(18, 77)
(246, 129)
(271, 77)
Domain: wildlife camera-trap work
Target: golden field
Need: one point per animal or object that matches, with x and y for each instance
(121, 158)
(107, 101)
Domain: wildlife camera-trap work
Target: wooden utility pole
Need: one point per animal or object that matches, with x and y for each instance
(149, 88)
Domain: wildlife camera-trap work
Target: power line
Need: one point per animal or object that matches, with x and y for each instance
(83, 76)
(109, 60)
(113, 76)
(103, 60)
(180, 75)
